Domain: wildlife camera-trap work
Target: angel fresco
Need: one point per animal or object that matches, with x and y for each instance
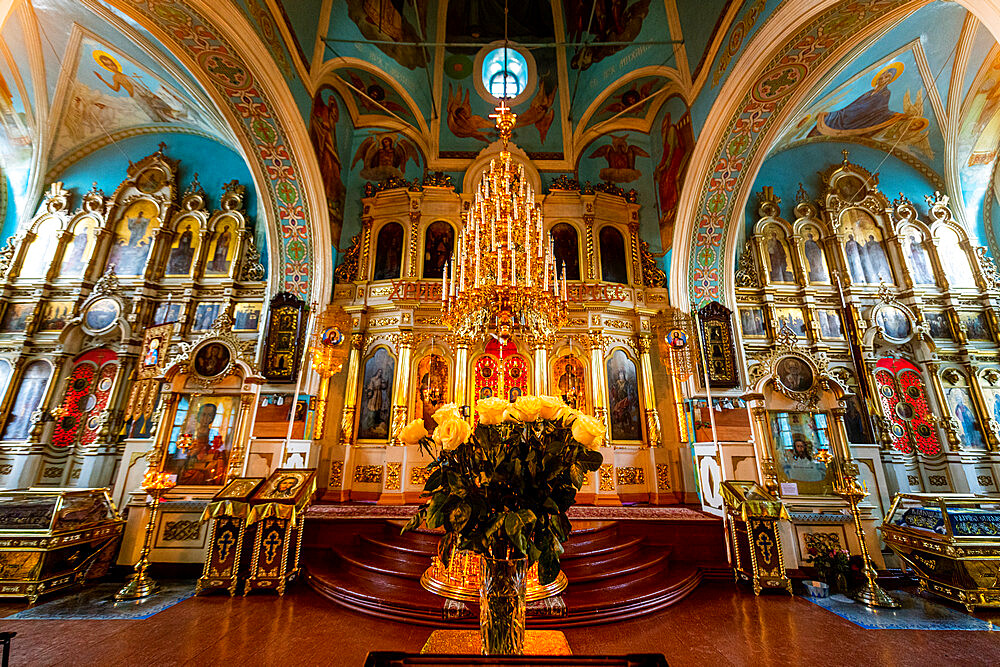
(869, 115)
(384, 156)
(678, 144)
(621, 160)
(323, 132)
(614, 21)
(629, 99)
(461, 121)
(540, 112)
(387, 21)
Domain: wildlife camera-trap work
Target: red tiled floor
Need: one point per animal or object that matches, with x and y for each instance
(717, 625)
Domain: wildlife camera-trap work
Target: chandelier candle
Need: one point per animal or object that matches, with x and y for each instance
(504, 249)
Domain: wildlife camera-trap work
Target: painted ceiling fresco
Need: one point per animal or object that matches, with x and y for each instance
(73, 80)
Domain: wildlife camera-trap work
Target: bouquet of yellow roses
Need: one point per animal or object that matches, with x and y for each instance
(502, 489)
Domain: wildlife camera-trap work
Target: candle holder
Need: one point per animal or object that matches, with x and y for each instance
(871, 594)
(141, 585)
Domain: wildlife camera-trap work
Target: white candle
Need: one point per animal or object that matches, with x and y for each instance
(444, 283)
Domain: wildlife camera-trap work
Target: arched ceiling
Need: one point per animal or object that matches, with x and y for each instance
(631, 91)
(76, 77)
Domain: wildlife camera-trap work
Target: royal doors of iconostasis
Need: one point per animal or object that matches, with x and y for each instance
(81, 291)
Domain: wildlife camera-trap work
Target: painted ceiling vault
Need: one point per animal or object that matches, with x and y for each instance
(623, 92)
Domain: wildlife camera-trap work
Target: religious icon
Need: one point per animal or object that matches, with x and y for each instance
(850, 188)
(220, 251)
(29, 395)
(432, 390)
(323, 132)
(798, 438)
(212, 359)
(152, 356)
(938, 325)
(623, 398)
(954, 260)
(514, 394)
(151, 180)
(867, 261)
(976, 327)
(77, 253)
(283, 339)
(779, 270)
(815, 259)
(55, 315)
(388, 252)
(167, 312)
(752, 322)
(284, 484)
(200, 439)
(716, 326)
(677, 338)
(793, 319)
(960, 404)
(133, 238)
(153, 106)
(855, 422)
(920, 260)
(613, 265)
(678, 145)
(569, 381)
(246, 317)
(376, 396)
(183, 250)
(40, 250)
(794, 373)
(438, 243)
(15, 317)
(829, 324)
(102, 314)
(894, 322)
(205, 315)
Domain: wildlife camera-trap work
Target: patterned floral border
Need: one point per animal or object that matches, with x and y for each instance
(760, 108)
(231, 77)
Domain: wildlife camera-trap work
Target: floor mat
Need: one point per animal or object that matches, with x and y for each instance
(97, 603)
(916, 613)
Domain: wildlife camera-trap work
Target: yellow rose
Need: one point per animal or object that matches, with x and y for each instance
(451, 433)
(413, 432)
(446, 412)
(552, 407)
(588, 431)
(491, 410)
(527, 408)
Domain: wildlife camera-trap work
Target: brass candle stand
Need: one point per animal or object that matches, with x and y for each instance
(871, 594)
(141, 585)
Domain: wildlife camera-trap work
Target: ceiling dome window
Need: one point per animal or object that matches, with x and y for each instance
(506, 72)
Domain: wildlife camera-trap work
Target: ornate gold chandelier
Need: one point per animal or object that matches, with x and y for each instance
(503, 275)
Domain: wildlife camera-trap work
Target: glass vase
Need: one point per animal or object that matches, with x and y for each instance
(502, 589)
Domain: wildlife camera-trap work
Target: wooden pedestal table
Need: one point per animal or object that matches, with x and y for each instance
(227, 537)
(276, 510)
(752, 514)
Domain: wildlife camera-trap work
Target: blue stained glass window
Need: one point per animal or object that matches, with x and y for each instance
(505, 72)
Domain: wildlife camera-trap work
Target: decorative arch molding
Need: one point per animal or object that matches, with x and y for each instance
(224, 54)
(753, 103)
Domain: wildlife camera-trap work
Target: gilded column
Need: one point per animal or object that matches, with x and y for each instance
(633, 236)
(414, 233)
(461, 396)
(653, 433)
(366, 244)
(600, 395)
(401, 384)
(840, 441)
(588, 222)
(767, 468)
(351, 389)
(541, 370)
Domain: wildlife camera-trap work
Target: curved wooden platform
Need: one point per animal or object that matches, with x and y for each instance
(617, 570)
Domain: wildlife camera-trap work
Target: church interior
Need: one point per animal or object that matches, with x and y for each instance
(718, 277)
